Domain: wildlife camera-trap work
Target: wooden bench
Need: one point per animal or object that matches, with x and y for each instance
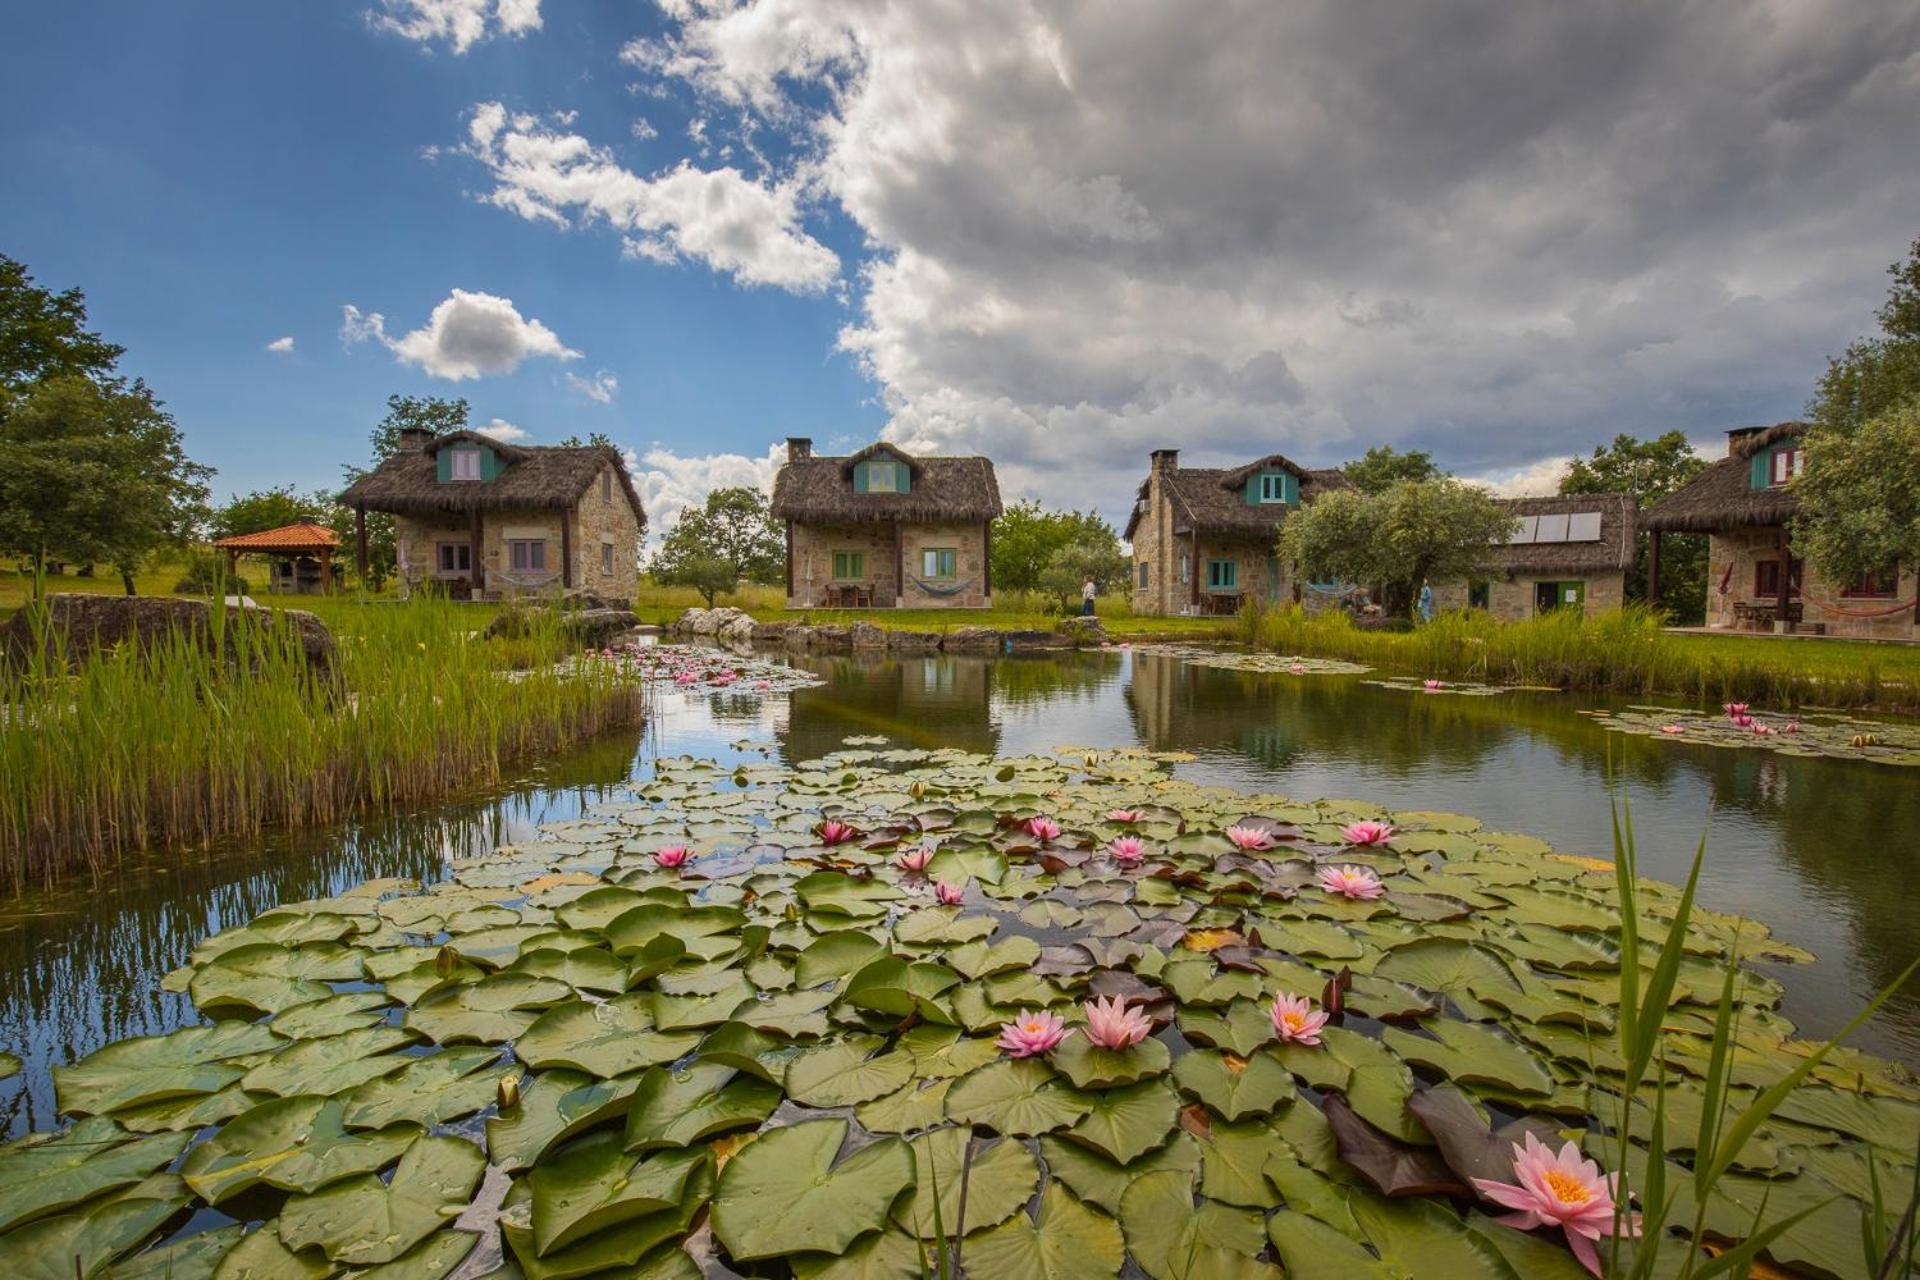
(1764, 613)
(1220, 604)
(850, 596)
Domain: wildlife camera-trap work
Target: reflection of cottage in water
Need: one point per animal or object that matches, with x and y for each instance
(927, 701)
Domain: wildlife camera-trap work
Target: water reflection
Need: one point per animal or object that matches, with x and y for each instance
(1817, 848)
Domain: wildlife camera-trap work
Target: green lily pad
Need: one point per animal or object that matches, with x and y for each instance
(46, 1173)
(362, 1221)
(553, 1106)
(842, 1073)
(1172, 1240)
(593, 1183)
(331, 1065)
(610, 1039)
(193, 1258)
(1471, 1053)
(1065, 1241)
(1235, 1088)
(494, 1009)
(786, 1193)
(1089, 1066)
(431, 1090)
(83, 1243)
(1241, 1028)
(145, 1069)
(902, 987)
(1124, 1124)
(1021, 1098)
(1000, 1177)
(294, 1144)
(1098, 1180)
(676, 1108)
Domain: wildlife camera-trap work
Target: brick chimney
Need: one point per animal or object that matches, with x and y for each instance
(799, 447)
(414, 439)
(1738, 437)
(1166, 459)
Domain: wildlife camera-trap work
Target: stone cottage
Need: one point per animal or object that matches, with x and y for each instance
(1744, 503)
(1203, 537)
(885, 529)
(479, 518)
(1565, 552)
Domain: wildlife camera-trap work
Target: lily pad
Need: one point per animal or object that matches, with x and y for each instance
(676, 1108)
(788, 1193)
(1066, 1240)
(363, 1221)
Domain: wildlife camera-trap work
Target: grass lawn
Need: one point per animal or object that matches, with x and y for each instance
(663, 604)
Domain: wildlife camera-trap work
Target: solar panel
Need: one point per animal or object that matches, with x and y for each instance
(1523, 532)
(1552, 528)
(1584, 527)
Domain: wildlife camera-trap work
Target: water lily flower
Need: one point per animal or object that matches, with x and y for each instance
(1734, 709)
(1248, 839)
(1432, 686)
(1032, 1034)
(949, 895)
(1351, 882)
(914, 860)
(1762, 728)
(1127, 850)
(761, 686)
(674, 855)
(1124, 815)
(1368, 832)
(833, 831)
(1111, 1025)
(1744, 720)
(1296, 1021)
(685, 677)
(1043, 829)
(1791, 726)
(1298, 668)
(1671, 728)
(1564, 1190)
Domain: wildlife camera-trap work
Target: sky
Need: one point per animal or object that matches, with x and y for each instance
(1062, 234)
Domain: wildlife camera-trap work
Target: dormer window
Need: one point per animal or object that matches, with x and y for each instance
(463, 464)
(1784, 465)
(1273, 487)
(882, 476)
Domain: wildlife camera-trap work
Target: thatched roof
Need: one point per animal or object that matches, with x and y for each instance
(536, 478)
(1723, 496)
(1612, 551)
(1212, 500)
(819, 490)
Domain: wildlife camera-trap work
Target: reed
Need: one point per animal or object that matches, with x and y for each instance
(1621, 650)
(184, 743)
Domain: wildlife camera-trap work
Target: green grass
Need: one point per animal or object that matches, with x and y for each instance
(1014, 612)
(1621, 651)
(170, 744)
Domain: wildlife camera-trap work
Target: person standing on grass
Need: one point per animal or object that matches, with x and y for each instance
(1087, 592)
(1426, 600)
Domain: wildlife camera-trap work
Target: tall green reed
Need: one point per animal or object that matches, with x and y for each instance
(184, 739)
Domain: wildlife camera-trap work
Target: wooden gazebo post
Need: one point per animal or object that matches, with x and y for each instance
(326, 570)
(360, 541)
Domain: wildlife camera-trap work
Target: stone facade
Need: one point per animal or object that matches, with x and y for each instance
(601, 520)
(1513, 597)
(888, 548)
(1734, 556)
(1174, 561)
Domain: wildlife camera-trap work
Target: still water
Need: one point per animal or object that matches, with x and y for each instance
(1819, 849)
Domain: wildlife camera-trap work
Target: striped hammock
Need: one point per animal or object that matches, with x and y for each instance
(934, 589)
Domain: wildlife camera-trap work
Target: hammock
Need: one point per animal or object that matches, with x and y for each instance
(1886, 611)
(934, 590)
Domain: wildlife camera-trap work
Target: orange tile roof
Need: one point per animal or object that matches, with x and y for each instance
(294, 536)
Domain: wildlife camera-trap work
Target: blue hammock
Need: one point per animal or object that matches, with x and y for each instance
(933, 590)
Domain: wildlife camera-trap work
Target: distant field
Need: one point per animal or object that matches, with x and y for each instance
(664, 604)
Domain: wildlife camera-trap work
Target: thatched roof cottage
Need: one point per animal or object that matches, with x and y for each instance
(1566, 551)
(1743, 503)
(1203, 537)
(883, 528)
(481, 518)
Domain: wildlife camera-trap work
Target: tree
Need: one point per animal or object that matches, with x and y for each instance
(600, 438)
(1859, 508)
(44, 334)
(1875, 374)
(269, 509)
(1410, 532)
(1026, 538)
(1383, 466)
(1092, 554)
(712, 547)
(426, 413)
(1652, 469)
(94, 473)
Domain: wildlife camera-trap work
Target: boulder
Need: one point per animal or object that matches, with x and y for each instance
(771, 632)
(1029, 641)
(864, 635)
(596, 628)
(913, 641)
(694, 622)
(972, 640)
(829, 636)
(737, 629)
(582, 598)
(82, 624)
(1083, 631)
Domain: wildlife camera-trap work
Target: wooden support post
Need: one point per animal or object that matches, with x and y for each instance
(1780, 622)
(477, 568)
(566, 550)
(789, 562)
(326, 570)
(360, 541)
(986, 568)
(1193, 569)
(899, 566)
(1653, 569)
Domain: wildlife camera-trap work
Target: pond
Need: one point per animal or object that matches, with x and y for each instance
(1818, 849)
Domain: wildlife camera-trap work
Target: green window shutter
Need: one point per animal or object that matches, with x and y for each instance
(902, 478)
(1252, 494)
(1291, 490)
(859, 477)
(849, 565)
(490, 465)
(1758, 474)
(443, 466)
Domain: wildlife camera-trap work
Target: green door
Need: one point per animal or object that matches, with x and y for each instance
(1573, 595)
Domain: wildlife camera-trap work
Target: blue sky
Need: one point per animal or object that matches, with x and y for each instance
(1056, 232)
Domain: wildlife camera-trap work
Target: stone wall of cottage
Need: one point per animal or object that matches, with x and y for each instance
(1173, 566)
(418, 540)
(814, 546)
(1742, 550)
(1513, 598)
(605, 518)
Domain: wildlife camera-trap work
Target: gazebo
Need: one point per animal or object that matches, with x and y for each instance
(301, 556)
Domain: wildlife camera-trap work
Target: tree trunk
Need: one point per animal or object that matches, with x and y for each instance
(126, 580)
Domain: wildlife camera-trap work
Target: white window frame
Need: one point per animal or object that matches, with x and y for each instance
(1784, 465)
(930, 562)
(887, 468)
(463, 464)
(1273, 487)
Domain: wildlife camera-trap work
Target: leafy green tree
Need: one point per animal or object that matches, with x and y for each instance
(1026, 538)
(600, 438)
(44, 334)
(1412, 531)
(712, 547)
(1094, 554)
(268, 509)
(1874, 374)
(1859, 495)
(94, 472)
(1383, 466)
(1652, 469)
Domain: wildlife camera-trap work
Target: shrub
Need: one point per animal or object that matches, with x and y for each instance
(207, 575)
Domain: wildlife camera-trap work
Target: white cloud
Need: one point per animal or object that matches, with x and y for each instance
(468, 335)
(281, 345)
(501, 429)
(1530, 481)
(460, 23)
(642, 129)
(734, 224)
(669, 483)
(600, 388)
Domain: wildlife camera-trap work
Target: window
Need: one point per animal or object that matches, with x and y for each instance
(849, 566)
(939, 562)
(883, 476)
(1785, 464)
(1273, 487)
(1223, 575)
(606, 557)
(527, 556)
(1143, 575)
(464, 464)
(1479, 595)
(606, 486)
(1881, 585)
(454, 557)
(1766, 579)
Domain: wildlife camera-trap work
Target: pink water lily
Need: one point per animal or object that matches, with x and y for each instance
(914, 860)
(1247, 839)
(1127, 850)
(832, 832)
(1124, 815)
(1566, 1191)
(1368, 832)
(1432, 686)
(1734, 708)
(1762, 728)
(1671, 728)
(949, 895)
(1112, 1025)
(1351, 882)
(1032, 1034)
(1791, 726)
(1298, 668)
(674, 855)
(685, 677)
(1043, 829)
(1744, 720)
(761, 686)
(1296, 1021)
